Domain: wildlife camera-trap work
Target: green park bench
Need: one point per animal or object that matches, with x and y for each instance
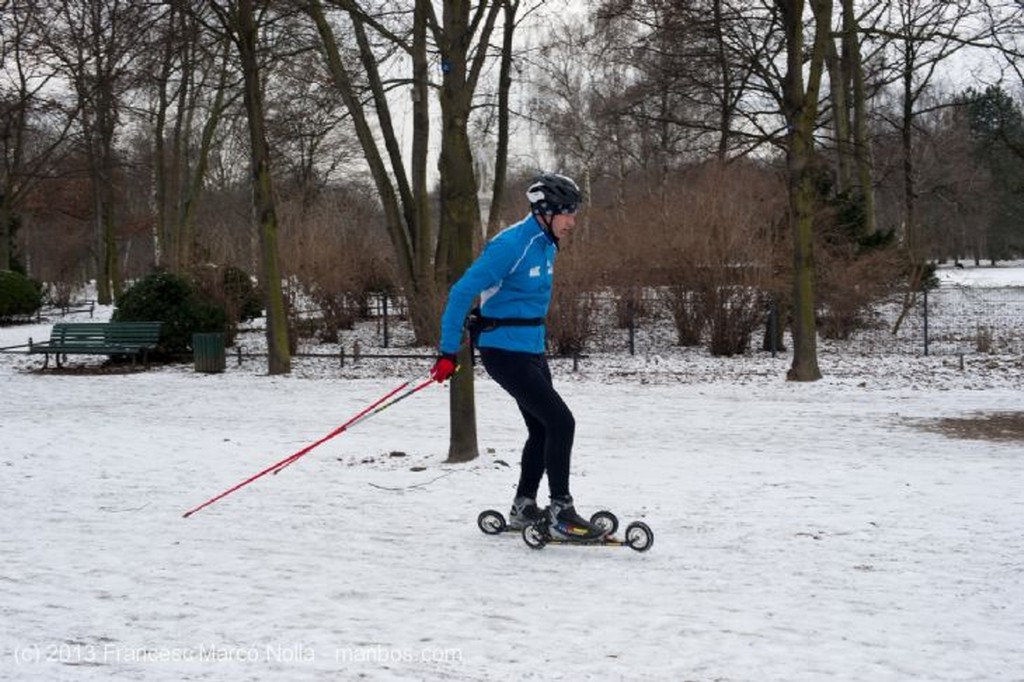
(99, 338)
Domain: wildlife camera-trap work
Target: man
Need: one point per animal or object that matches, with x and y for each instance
(513, 277)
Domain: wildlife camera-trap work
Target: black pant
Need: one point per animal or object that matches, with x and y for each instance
(527, 378)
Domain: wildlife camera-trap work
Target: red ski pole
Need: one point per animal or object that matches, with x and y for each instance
(375, 408)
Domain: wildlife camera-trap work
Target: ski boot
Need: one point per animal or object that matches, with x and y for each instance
(565, 524)
(524, 512)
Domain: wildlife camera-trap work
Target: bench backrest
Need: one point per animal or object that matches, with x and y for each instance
(92, 334)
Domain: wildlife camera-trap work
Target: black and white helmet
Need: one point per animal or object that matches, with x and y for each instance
(553, 193)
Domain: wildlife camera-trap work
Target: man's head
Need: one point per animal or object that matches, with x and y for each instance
(553, 194)
(554, 199)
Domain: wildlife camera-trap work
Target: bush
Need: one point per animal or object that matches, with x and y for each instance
(242, 296)
(689, 313)
(735, 312)
(19, 295)
(851, 278)
(230, 289)
(175, 302)
(570, 320)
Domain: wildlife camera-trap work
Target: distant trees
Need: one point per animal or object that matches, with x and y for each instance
(995, 126)
(718, 71)
(96, 46)
(34, 127)
(128, 139)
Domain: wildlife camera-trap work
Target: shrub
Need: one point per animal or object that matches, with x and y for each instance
(231, 289)
(735, 311)
(689, 313)
(851, 279)
(19, 295)
(242, 296)
(174, 301)
(983, 340)
(630, 306)
(570, 321)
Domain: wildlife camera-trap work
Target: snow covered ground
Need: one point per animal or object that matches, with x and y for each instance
(803, 531)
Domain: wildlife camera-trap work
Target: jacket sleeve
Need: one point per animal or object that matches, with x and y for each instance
(487, 271)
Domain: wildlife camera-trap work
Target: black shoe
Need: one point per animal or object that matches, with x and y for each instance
(566, 524)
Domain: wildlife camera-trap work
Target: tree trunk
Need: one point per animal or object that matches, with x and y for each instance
(726, 83)
(504, 89)
(426, 310)
(838, 82)
(102, 178)
(460, 209)
(861, 134)
(6, 216)
(192, 187)
(800, 106)
(910, 235)
(279, 355)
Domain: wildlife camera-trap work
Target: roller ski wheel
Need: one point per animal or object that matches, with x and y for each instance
(639, 536)
(606, 521)
(491, 522)
(536, 536)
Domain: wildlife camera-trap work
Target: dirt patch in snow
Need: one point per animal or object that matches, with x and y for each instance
(996, 426)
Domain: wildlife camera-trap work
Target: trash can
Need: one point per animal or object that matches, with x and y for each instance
(208, 352)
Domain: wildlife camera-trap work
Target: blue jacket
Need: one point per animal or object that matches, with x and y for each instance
(513, 279)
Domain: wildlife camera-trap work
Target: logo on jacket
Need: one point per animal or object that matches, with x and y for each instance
(535, 271)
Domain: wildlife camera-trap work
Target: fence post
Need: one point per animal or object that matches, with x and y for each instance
(925, 303)
(384, 304)
(630, 312)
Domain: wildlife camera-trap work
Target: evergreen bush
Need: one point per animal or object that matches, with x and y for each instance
(19, 295)
(177, 303)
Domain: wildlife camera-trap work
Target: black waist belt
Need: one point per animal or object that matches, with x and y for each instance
(477, 323)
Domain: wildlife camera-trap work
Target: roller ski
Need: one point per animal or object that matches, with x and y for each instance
(561, 525)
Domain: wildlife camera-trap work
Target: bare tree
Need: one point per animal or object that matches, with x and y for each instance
(462, 37)
(510, 10)
(461, 66)
(920, 36)
(697, 62)
(192, 85)
(404, 200)
(800, 108)
(95, 44)
(856, 100)
(33, 128)
(242, 22)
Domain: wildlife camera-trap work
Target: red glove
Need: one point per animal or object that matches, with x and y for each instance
(444, 368)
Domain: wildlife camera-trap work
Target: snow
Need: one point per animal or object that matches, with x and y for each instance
(1010, 274)
(802, 531)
